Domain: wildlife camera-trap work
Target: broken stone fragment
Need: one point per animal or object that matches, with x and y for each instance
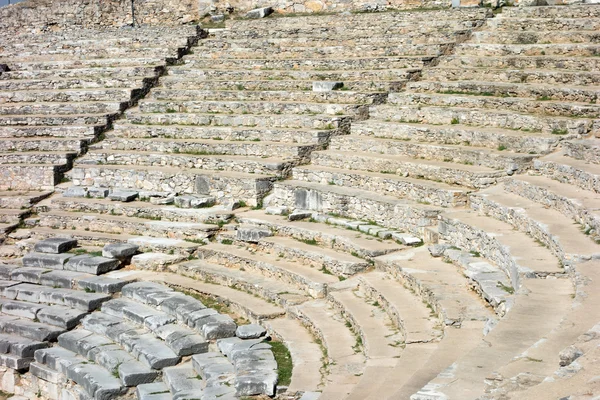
(250, 331)
(123, 195)
(192, 201)
(259, 12)
(251, 234)
(75, 191)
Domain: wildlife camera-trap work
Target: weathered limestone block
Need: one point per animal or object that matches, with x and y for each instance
(55, 245)
(251, 234)
(324, 86)
(119, 251)
(259, 13)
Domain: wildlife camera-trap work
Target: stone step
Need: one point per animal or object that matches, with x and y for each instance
(68, 95)
(287, 53)
(310, 63)
(379, 339)
(490, 118)
(541, 92)
(115, 33)
(60, 121)
(117, 224)
(521, 105)
(173, 146)
(524, 23)
(13, 216)
(47, 277)
(180, 77)
(99, 239)
(57, 316)
(182, 340)
(307, 96)
(40, 86)
(99, 43)
(38, 157)
(269, 288)
(45, 144)
(437, 194)
(28, 329)
(294, 273)
(407, 311)
(442, 287)
(32, 109)
(532, 318)
(153, 391)
(566, 64)
(223, 185)
(318, 121)
(82, 263)
(82, 75)
(76, 299)
(585, 149)
(545, 36)
(517, 141)
(513, 251)
(95, 381)
(183, 380)
(138, 209)
(336, 262)
(152, 53)
(39, 176)
(138, 341)
(537, 49)
(357, 204)
(108, 355)
(565, 169)
(250, 107)
(21, 200)
(226, 133)
(77, 64)
(343, 354)
(20, 346)
(555, 230)
(263, 165)
(577, 204)
(360, 19)
(556, 12)
(459, 154)
(463, 175)
(326, 235)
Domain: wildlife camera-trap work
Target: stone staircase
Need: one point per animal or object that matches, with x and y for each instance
(436, 240)
(61, 91)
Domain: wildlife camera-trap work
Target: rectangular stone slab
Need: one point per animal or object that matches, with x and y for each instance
(20, 346)
(102, 284)
(63, 317)
(44, 260)
(119, 250)
(91, 265)
(55, 245)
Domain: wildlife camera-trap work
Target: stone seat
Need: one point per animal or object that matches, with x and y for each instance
(251, 107)
(523, 105)
(43, 144)
(58, 316)
(37, 157)
(577, 204)
(56, 120)
(12, 215)
(452, 173)
(19, 346)
(543, 24)
(91, 54)
(29, 329)
(266, 287)
(517, 141)
(32, 293)
(76, 65)
(162, 147)
(66, 95)
(268, 166)
(460, 154)
(500, 49)
(389, 183)
(391, 212)
(561, 36)
(85, 82)
(244, 186)
(82, 74)
(583, 149)
(325, 234)
(575, 11)
(46, 276)
(555, 230)
(336, 52)
(335, 97)
(309, 279)
(141, 209)
(312, 63)
(226, 133)
(565, 169)
(95, 381)
(129, 225)
(574, 64)
(20, 200)
(82, 132)
(58, 108)
(284, 120)
(505, 119)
